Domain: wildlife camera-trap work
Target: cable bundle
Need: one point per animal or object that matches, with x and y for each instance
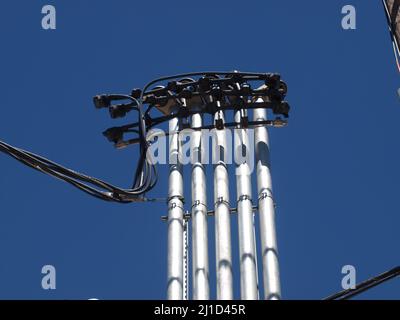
(207, 92)
(210, 92)
(144, 180)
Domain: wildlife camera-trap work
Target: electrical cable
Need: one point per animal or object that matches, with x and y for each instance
(146, 174)
(395, 45)
(99, 188)
(366, 285)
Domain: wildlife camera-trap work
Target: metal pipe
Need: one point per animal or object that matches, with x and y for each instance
(199, 216)
(247, 249)
(185, 259)
(269, 249)
(175, 216)
(223, 248)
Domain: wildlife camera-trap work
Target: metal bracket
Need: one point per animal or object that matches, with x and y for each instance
(267, 194)
(197, 203)
(221, 200)
(181, 198)
(210, 213)
(186, 216)
(245, 197)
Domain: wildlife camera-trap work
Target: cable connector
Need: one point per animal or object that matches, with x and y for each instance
(282, 108)
(101, 101)
(279, 123)
(119, 110)
(114, 134)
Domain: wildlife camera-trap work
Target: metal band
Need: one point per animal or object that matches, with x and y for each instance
(245, 197)
(197, 203)
(221, 200)
(266, 193)
(174, 205)
(181, 198)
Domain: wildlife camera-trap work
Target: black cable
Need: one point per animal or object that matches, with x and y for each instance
(146, 175)
(366, 285)
(393, 37)
(104, 190)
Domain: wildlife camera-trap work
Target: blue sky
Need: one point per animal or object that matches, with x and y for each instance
(335, 167)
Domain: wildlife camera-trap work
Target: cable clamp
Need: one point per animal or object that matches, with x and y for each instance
(187, 216)
(244, 197)
(197, 203)
(181, 198)
(265, 194)
(174, 205)
(221, 200)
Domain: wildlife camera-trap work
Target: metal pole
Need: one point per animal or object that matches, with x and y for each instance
(199, 216)
(222, 215)
(269, 249)
(247, 250)
(185, 259)
(175, 217)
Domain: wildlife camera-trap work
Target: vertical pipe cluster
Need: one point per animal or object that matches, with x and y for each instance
(199, 216)
(222, 215)
(177, 248)
(175, 217)
(269, 249)
(247, 249)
